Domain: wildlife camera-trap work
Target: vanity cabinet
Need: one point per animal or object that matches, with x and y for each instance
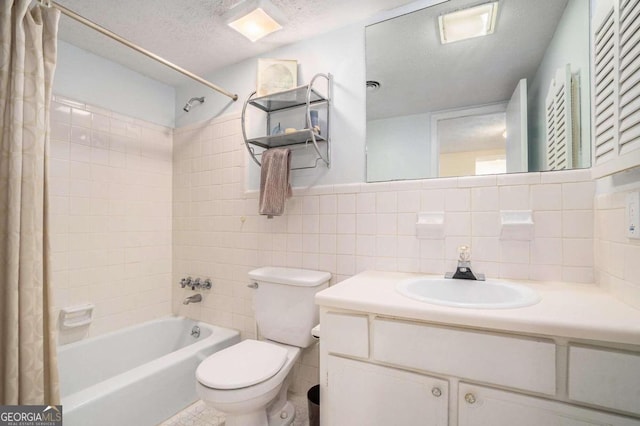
(378, 370)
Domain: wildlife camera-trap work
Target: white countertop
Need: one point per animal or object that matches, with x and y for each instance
(578, 311)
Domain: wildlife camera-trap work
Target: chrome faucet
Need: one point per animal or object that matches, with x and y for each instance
(463, 271)
(192, 299)
(196, 283)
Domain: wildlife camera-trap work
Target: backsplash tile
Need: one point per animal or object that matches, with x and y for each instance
(618, 266)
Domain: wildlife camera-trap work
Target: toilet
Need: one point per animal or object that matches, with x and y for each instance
(249, 381)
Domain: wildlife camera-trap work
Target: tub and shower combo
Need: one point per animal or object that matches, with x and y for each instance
(138, 376)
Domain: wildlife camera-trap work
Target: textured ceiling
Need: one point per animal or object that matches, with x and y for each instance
(419, 74)
(193, 34)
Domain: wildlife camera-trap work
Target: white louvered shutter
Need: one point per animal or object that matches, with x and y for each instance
(605, 75)
(563, 119)
(559, 113)
(629, 84)
(551, 127)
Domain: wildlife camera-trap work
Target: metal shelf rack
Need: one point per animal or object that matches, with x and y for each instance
(305, 96)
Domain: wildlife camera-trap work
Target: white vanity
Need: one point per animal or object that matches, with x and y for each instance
(385, 359)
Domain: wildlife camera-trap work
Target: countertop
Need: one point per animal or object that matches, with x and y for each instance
(577, 311)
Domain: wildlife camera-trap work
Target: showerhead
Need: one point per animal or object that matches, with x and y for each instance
(189, 104)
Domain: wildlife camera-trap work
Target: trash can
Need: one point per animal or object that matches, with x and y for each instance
(313, 405)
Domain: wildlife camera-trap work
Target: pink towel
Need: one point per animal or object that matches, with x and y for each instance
(274, 181)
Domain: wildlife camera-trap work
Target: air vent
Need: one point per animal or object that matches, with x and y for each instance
(372, 85)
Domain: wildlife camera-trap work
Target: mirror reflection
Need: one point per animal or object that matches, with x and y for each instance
(470, 88)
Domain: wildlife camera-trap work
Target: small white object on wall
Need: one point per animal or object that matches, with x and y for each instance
(516, 225)
(76, 316)
(633, 215)
(430, 225)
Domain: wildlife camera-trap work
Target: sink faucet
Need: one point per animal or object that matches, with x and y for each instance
(192, 299)
(463, 271)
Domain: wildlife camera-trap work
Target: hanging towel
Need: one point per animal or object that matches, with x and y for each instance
(274, 181)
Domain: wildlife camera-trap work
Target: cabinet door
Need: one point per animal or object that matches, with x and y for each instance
(366, 394)
(480, 406)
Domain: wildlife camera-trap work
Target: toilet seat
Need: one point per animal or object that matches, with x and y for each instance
(242, 365)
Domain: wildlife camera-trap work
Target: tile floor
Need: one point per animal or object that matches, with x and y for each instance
(198, 414)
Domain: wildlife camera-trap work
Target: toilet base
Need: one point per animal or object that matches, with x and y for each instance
(283, 416)
(257, 418)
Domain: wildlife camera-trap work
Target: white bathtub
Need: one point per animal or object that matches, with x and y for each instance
(138, 376)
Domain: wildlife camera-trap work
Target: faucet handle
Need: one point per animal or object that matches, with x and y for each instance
(464, 253)
(195, 284)
(185, 282)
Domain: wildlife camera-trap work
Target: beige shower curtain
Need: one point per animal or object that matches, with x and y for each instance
(28, 367)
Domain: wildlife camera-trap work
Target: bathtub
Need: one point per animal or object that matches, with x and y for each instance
(137, 376)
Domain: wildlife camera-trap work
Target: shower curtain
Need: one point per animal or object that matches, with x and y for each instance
(28, 368)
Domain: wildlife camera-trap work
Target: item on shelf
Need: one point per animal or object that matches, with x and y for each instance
(289, 130)
(276, 130)
(276, 75)
(315, 124)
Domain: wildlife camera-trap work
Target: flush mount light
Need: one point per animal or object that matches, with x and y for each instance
(254, 19)
(468, 23)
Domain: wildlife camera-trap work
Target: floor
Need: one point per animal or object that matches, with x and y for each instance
(198, 414)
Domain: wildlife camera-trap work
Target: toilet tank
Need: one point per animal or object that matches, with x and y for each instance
(283, 303)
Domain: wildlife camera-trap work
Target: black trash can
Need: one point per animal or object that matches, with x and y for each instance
(313, 405)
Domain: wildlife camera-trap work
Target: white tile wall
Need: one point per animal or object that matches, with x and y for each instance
(345, 229)
(110, 215)
(617, 257)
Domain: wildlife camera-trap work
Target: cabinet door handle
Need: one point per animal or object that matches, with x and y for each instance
(436, 392)
(470, 398)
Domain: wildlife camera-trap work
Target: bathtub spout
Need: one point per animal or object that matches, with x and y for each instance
(192, 299)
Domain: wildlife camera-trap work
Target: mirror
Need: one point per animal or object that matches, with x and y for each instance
(515, 100)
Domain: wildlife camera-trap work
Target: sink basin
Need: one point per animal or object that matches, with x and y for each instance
(468, 293)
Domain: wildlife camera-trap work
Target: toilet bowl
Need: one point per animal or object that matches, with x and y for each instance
(245, 381)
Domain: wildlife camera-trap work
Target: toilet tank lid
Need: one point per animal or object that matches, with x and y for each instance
(290, 276)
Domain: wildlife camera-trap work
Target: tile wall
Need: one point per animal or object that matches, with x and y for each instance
(617, 257)
(110, 195)
(346, 229)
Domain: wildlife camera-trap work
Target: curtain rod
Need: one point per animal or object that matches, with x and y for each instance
(73, 15)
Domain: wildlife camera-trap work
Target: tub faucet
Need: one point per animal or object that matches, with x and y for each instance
(463, 271)
(192, 299)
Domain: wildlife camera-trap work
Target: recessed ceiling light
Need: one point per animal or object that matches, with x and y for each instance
(254, 19)
(468, 23)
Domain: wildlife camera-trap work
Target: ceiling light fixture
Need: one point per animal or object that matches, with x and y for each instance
(468, 23)
(254, 19)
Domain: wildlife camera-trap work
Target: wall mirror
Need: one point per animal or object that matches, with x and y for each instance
(514, 100)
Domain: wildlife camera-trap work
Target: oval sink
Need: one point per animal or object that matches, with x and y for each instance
(468, 293)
